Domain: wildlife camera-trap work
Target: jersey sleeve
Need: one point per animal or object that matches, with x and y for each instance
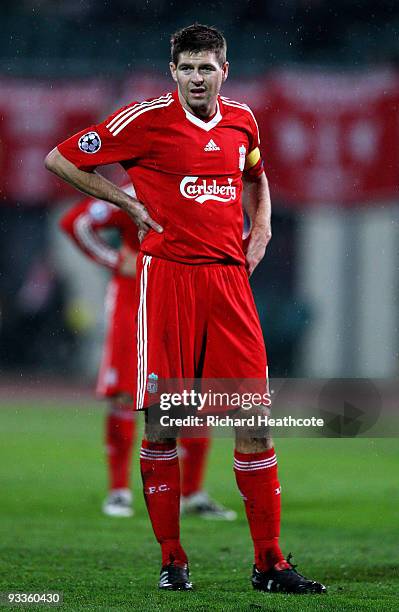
(82, 224)
(254, 165)
(120, 138)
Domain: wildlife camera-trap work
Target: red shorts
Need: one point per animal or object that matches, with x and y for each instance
(194, 321)
(116, 373)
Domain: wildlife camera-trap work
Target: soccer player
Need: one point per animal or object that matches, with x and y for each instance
(84, 224)
(186, 153)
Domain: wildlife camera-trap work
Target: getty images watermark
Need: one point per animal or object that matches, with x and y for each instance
(332, 408)
(214, 400)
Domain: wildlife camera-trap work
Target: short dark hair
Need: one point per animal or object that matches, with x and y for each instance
(195, 38)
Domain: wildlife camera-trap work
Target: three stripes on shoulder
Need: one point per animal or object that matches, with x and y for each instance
(124, 117)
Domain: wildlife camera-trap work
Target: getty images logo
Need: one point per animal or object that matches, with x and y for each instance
(204, 190)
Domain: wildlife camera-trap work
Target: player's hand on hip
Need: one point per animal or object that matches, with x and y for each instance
(139, 214)
(257, 247)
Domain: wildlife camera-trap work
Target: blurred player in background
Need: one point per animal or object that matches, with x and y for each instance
(187, 153)
(84, 224)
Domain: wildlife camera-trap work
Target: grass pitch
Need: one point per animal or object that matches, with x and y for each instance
(340, 519)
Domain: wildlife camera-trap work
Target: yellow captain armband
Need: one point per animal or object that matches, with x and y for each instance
(252, 158)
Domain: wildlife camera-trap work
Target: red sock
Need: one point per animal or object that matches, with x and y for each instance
(256, 476)
(193, 455)
(161, 482)
(120, 428)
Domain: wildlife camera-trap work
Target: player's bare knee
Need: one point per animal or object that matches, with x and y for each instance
(253, 435)
(253, 445)
(155, 432)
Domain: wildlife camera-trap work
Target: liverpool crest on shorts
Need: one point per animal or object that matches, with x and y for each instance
(242, 152)
(152, 383)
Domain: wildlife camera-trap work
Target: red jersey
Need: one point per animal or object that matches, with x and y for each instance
(186, 171)
(83, 222)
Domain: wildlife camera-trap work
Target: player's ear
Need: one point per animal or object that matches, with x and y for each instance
(172, 68)
(225, 71)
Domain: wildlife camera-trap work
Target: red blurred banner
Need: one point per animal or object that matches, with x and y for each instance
(332, 138)
(327, 138)
(35, 117)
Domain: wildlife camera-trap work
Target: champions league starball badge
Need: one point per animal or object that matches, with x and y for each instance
(90, 142)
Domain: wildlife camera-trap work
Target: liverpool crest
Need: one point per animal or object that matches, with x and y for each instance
(242, 155)
(152, 383)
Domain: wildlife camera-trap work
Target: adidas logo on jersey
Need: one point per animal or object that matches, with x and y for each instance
(211, 146)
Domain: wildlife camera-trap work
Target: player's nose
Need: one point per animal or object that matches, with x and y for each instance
(196, 78)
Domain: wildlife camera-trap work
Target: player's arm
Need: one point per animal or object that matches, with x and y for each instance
(80, 226)
(257, 203)
(94, 184)
(113, 141)
(256, 198)
(83, 224)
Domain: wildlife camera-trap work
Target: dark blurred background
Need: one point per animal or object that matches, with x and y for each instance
(85, 36)
(322, 79)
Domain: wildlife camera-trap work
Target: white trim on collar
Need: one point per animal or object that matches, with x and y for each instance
(205, 125)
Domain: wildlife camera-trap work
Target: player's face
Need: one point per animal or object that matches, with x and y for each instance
(199, 77)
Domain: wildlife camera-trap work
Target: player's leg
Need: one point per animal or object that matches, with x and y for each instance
(161, 346)
(120, 430)
(160, 473)
(255, 467)
(238, 352)
(115, 383)
(193, 455)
